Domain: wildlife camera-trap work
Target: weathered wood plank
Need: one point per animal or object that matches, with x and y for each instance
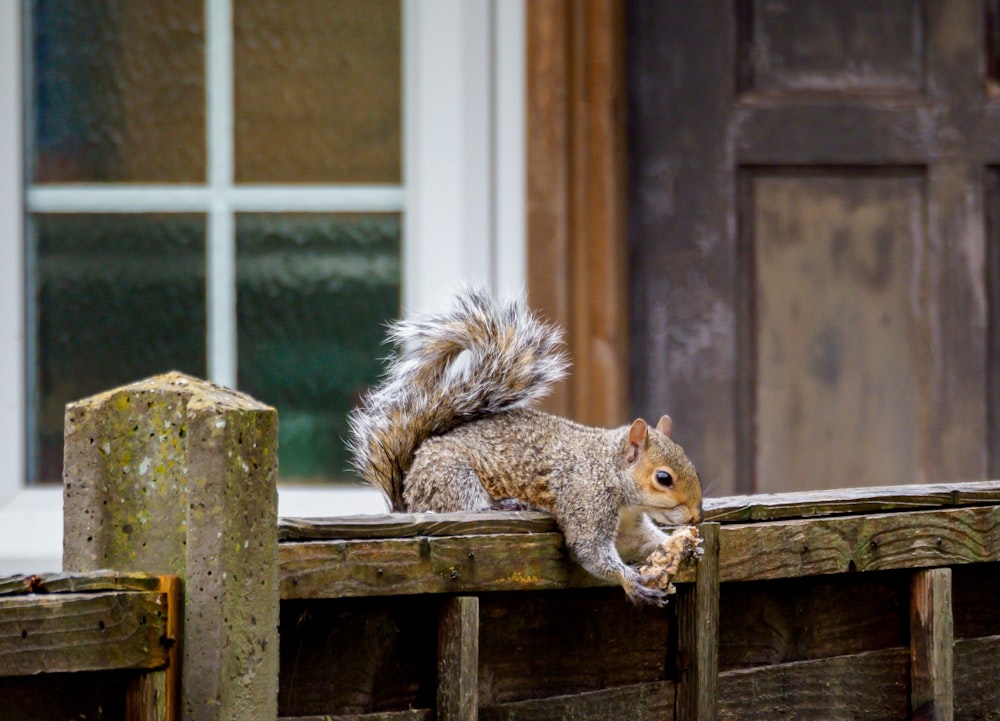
(503, 562)
(784, 549)
(412, 525)
(453, 564)
(653, 701)
(764, 623)
(458, 659)
(977, 693)
(813, 504)
(78, 583)
(871, 686)
(81, 696)
(357, 656)
(971, 585)
(733, 509)
(931, 645)
(698, 635)
(413, 714)
(536, 645)
(82, 632)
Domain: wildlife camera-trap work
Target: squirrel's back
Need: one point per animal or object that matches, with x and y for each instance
(484, 357)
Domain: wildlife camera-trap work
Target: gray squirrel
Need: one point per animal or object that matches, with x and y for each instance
(448, 430)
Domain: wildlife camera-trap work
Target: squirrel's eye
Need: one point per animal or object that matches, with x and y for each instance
(664, 479)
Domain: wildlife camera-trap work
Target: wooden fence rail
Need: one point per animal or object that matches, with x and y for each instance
(856, 604)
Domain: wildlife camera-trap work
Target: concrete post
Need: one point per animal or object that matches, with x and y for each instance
(173, 475)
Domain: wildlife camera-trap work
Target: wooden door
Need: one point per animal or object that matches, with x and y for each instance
(813, 223)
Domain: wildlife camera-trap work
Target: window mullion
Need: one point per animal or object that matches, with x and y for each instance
(221, 241)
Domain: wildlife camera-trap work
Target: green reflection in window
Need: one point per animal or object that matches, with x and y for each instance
(314, 293)
(117, 298)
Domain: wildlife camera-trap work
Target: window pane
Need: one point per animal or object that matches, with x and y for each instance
(318, 91)
(314, 294)
(117, 298)
(118, 89)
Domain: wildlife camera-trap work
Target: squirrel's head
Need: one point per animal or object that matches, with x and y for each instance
(665, 478)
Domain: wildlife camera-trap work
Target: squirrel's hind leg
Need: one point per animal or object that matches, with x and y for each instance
(443, 482)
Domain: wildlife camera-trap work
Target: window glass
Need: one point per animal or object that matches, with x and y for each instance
(314, 293)
(318, 91)
(116, 298)
(119, 91)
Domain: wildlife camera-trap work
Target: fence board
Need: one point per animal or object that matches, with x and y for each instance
(652, 701)
(764, 623)
(977, 693)
(78, 583)
(757, 551)
(807, 547)
(814, 504)
(411, 525)
(733, 509)
(871, 686)
(536, 645)
(418, 714)
(451, 564)
(82, 632)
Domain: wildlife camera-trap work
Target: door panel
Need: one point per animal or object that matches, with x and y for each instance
(812, 287)
(836, 264)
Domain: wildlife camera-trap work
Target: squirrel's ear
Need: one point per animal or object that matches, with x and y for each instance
(636, 439)
(665, 426)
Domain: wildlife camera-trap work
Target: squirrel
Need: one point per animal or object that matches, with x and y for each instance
(448, 430)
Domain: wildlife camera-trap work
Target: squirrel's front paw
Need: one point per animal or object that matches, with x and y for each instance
(638, 590)
(682, 546)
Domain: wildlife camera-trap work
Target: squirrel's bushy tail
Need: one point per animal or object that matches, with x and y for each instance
(483, 357)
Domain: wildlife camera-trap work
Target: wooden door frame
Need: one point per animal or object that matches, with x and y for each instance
(576, 211)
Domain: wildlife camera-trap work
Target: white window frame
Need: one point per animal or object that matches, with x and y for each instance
(462, 198)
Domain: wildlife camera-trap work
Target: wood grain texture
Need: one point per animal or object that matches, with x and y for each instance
(838, 364)
(411, 525)
(458, 659)
(931, 645)
(639, 702)
(537, 645)
(973, 587)
(871, 686)
(785, 549)
(79, 583)
(977, 694)
(358, 656)
(63, 696)
(698, 635)
(576, 164)
(682, 227)
(810, 504)
(763, 623)
(413, 714)
(452, 564)
(82, 632)
(731, 509)
(755, 551)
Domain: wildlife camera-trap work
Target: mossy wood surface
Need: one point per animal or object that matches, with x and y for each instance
(82, 632)
(538, 561)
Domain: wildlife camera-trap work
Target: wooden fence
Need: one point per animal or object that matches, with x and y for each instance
(860, 604)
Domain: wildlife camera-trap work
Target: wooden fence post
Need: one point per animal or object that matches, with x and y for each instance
(931, 645)
(458, 660)
(698, 635)
(173, 475)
